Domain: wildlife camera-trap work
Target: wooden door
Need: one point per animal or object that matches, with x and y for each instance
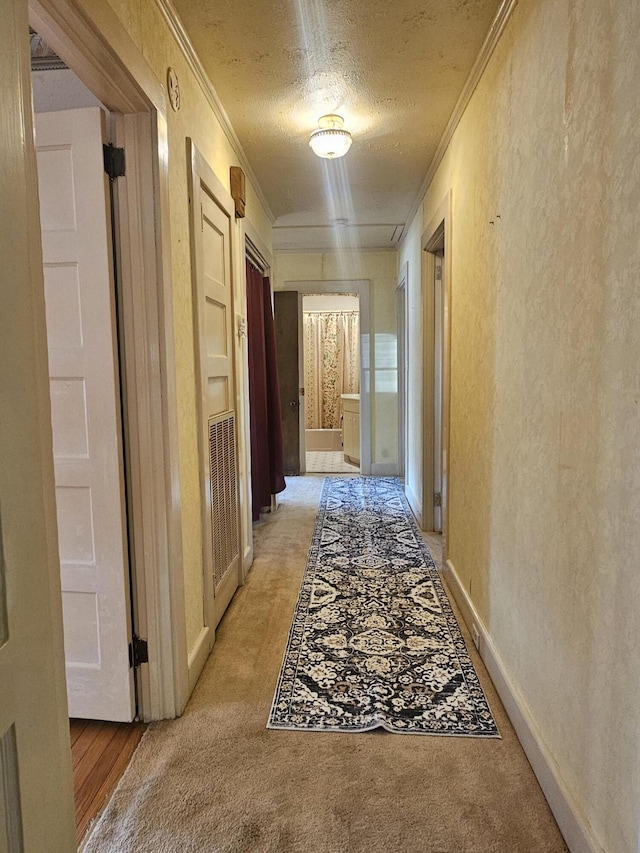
(286, 313)
(36, 793)
(215, 322)
(75, 219)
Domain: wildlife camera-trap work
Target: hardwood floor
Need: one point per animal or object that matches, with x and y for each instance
(101, 752)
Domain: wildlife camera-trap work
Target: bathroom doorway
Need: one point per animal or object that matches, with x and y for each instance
(331, 359)
(290, 351)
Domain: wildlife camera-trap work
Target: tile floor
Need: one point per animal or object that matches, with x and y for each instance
(329, 462)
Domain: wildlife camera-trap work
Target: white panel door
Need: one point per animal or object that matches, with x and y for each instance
(215, 322)
(85, 407)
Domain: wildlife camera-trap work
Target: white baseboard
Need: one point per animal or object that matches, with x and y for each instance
(414, 503)
(247, 561)
(573, 824)
(198, 656)
(384, 469)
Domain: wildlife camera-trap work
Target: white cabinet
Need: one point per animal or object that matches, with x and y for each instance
(351, 428)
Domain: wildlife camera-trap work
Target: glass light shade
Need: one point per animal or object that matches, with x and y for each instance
(330, 140)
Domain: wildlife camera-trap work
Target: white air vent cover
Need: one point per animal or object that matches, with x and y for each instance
(224, 493)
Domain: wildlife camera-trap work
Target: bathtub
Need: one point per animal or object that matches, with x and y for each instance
(323, 439)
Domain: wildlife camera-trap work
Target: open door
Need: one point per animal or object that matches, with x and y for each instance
(286, 311)
(211, 241)
(36, 793)
(75, 219)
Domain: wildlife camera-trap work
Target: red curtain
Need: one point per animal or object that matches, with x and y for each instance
(267, 470)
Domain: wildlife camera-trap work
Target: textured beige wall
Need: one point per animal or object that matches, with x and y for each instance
(545, 439)
(146, 26)
(380, 268)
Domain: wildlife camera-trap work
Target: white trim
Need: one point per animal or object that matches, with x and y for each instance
(33, 694)
(247, 558)
(185, 44)
(199, 654)
(302, 399)
(482, 60)
(573, 824)
(258, 245)
(217, 190)
(173, 619)
(101, 53)
(361, 287)
(257, 252)
(403, 351)
(149, 424)
(436, 236)
(414, 503)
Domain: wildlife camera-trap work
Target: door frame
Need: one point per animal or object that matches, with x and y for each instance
(438, 388)
(436, 237)
(259, 254)
(107, 61)
(401, 291)
(36, 783)
(361, 287)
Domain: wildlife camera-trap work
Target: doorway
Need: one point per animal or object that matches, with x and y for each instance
(136, 101)
(33, 736)
(86, 406)
(331, 380)
(438, 390)
(79, 269)
(402, 368)
(289, 322)
(263, 398)
(436, 287)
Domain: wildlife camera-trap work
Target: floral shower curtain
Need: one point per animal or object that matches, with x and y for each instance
(331, 364)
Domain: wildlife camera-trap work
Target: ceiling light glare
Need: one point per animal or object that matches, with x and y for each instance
(331, 140)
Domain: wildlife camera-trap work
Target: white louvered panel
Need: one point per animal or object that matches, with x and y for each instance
(224, 511)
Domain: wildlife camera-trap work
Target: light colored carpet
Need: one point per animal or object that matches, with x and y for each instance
(218, 780)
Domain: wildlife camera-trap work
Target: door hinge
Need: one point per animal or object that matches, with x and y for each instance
(437, 498)
(113, 161)
(138, 652)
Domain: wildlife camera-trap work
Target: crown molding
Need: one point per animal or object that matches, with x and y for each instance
(185, 44)
(482, 60)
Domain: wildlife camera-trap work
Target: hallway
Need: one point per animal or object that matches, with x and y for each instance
(217, 779)
(493, 185)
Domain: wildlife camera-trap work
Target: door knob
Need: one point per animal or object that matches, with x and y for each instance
(294, 404)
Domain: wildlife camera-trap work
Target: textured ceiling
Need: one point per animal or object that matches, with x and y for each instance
(393, 70)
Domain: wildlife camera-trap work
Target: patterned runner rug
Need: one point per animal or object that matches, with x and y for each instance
(374, 641)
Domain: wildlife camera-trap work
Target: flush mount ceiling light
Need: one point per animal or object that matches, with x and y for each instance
(330, 140)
